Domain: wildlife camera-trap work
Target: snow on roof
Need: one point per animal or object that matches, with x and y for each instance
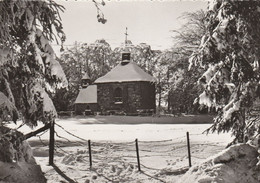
(87, 95)
(125, 73)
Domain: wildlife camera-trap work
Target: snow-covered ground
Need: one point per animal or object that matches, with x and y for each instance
(162, 148)
(125, 128)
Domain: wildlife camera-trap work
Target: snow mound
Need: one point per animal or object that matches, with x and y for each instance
(13, 147)
(17, 164)
(21, 172)
(235, 164)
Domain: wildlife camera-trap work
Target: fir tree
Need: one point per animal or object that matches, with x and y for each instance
(29, 71)
(230, 53)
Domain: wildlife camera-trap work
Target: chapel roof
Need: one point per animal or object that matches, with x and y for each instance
(87, 95)
(125, 73)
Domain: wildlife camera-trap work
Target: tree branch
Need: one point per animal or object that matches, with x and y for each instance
(34, 133)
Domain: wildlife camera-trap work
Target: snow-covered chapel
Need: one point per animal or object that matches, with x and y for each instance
(125, 89)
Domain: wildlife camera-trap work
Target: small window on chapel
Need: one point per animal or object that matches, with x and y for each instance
(118, 96)
(126, 56)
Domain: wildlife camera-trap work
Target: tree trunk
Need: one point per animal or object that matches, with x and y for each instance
(242, 124)
(169, 102)
(160, 94)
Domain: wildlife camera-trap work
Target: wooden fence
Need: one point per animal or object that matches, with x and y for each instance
(51, 127)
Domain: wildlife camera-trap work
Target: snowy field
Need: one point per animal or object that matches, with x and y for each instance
(162, 148)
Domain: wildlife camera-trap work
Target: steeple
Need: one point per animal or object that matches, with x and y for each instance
(126, 34)
(85, 80)
(126, 53)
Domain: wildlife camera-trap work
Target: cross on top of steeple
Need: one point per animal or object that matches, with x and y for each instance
(126, 34)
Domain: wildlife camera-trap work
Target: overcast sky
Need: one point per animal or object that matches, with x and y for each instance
(147, 21)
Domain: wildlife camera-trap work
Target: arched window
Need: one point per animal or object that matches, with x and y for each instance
(118, 96)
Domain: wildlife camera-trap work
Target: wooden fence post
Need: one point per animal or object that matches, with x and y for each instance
(188, 144)
(137, 154)
(51, 143)
(90, 155)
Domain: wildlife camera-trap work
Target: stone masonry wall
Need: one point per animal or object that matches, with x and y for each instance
(135, 95)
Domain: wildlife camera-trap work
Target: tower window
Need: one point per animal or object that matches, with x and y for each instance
(118, 96)
(85, 83)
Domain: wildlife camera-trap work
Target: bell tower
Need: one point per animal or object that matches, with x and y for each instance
(126, 55)
(85, 81)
